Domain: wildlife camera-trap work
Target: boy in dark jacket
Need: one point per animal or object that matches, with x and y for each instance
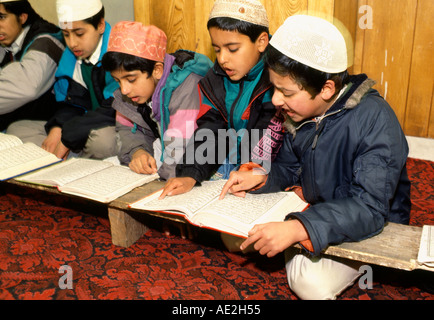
(344, 152)
(30, 50)
(235, 96)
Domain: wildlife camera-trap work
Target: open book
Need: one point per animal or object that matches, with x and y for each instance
(232, 215)
(426, 248)
(93, 179)
(17, 158)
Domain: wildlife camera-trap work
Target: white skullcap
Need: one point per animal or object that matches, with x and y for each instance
(312, 41)
(245, 10)
(77, 10)
(4, 1)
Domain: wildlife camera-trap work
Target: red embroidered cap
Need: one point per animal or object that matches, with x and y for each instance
(136, 39)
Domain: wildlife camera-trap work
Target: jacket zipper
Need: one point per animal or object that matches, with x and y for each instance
(319, 127)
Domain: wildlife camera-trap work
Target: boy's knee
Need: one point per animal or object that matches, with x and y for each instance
(102, 144)
(319, 278)
(28, 131)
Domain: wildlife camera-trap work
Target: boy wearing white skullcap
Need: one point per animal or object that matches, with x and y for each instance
(236, 93)
(84, 123)
(344, 152)
(30, 49)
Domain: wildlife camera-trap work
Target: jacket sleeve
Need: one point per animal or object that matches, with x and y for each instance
(133, 140)
(284, 172)
(24, 81)
(75, 132)
(64, 113)
(201, 155)
(184, 109)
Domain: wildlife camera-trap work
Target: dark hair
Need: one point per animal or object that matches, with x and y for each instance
(96, 19)
(253, 31)
(112, 61)
(19, 7)
(307, 78)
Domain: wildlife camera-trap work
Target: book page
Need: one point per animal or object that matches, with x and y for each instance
(426, 249)
(65, 172)
(8, 141)
(245, 210)
(24, 158)
(108, 184)
(188, 203)
(238, 216)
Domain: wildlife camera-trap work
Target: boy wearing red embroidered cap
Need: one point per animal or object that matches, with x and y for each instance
(344, 148)
(235, 95)
(84, 124)
(158, 100)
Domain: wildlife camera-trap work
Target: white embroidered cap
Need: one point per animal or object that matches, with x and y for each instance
(245, 10)
(77, 10)
(312, 41)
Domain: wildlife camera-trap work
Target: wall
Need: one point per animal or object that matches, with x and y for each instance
(397, 51)
(392, 41)
(116, 10)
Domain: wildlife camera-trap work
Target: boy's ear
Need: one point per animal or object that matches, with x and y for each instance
(158, 71)
(328, 90)
(23, 18)
(101, 26)
(262, 41)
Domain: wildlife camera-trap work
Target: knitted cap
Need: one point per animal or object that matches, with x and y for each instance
(139, 40)
(246, 10)
(77, 10)
(312, 41)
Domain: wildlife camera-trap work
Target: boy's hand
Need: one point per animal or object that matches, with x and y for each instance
(240, 182)
(53, 139)
(176, 186)
(143, 163)
(61, 151)
(275, 237)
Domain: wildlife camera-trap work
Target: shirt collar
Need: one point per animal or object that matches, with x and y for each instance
(18, 43)
(94, 58)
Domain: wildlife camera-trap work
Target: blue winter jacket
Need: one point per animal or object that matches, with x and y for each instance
(351, 167)
(75, 114)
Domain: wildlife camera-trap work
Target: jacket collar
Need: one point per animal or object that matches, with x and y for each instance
(358, 87)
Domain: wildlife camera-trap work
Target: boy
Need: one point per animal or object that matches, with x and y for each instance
(236, 95)
(84, 122)
(158, 101)
(30, 50)
(344, 147)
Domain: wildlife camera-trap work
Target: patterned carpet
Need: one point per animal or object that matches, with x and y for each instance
(39, 233)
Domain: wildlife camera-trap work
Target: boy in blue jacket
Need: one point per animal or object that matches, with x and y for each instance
(344, 152)
(84, 123)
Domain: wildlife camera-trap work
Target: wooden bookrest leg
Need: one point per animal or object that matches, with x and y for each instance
(125, 229)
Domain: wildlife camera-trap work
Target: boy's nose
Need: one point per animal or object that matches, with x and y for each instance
(125, 89)
(276, 99)
(72, 42)
(222, 58)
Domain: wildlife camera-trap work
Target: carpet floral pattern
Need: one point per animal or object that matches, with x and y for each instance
(40, 233)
